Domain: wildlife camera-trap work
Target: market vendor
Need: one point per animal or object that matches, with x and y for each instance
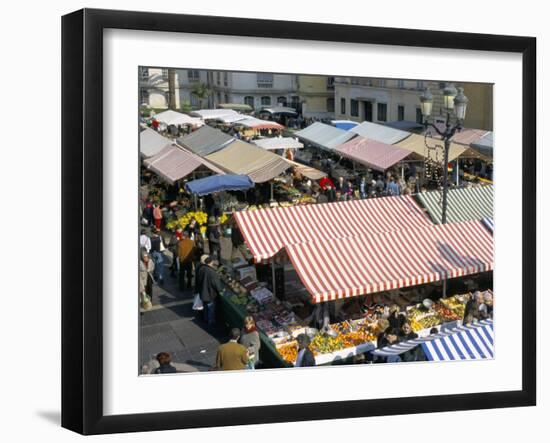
(305, 357)
(250, 339)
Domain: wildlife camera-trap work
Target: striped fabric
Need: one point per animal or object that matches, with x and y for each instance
(488, 221)
(335, 268)
(462, 343)
(266, 231)
(462, 204)
(465, 343)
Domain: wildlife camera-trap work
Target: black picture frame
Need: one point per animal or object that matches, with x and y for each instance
(82, 160)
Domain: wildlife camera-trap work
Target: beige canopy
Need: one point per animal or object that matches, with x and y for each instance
(417, 143)
(244, 158)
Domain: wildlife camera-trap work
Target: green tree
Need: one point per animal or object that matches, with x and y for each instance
(172, 88)
(186, 107)
(202, 91)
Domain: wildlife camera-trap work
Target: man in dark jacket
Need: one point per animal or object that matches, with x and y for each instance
(208, 286)
(214, 238)
(305, 356)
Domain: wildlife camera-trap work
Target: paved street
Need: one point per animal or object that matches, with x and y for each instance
(172, 326)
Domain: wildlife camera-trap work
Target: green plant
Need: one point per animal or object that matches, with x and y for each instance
(202, 91)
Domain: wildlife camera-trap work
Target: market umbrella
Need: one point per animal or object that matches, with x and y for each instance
(217, 183)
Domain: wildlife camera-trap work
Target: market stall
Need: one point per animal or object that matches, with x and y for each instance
(464, 342)
(275, 143)
(417, 144)
(244, 158)
(488, 221)
(380, 246)
(266, 231)
(469, 342)
(338, 268)
(343, 124)
(463, 204)
(173, 163)
(279, 322)
(151, 142)
(484, 144)
(374, 154)
(213, 114)
(219, 183)
(205, 140)
(170, 117)
(324, 136)
(380, 133)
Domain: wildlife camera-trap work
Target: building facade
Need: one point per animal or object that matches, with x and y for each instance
(316, 94)
(390, 100)
(257, 90)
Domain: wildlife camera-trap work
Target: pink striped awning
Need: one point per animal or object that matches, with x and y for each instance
(267, 231)
(332, 269)
(372, 153)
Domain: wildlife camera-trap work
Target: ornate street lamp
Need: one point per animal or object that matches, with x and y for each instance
(454, 101)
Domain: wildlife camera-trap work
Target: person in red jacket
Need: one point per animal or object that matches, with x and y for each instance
(324, 182)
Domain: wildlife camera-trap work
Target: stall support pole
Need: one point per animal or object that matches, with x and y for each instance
(457, 167)
(273, 277)
(402, 171)
(271, 191)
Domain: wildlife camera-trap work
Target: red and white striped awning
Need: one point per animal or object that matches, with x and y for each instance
(267, 231)
(338, 268)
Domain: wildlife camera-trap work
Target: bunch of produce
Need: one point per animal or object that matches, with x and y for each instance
(267, 327)
(426, 322)
(289, 351)
(306, 200)
(239, 299)
(359, 337)
(183, 221)
(446, 314)
(323, 344)
(454, 305)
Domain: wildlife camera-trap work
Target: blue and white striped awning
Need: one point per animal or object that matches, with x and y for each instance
(465, 343)
(488, 221)
(462, 343)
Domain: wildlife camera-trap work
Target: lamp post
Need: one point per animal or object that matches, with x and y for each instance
(453, 100)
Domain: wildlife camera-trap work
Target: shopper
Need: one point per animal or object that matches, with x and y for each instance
(250, 339)
(213, 232)
(144, 241)
(146, 268)
(305, 357)
(392, 187)
(157, 253)
(209, 286)
(165, 366)
(232, 355)
(157, 216)
(148, 212)
(186, 256)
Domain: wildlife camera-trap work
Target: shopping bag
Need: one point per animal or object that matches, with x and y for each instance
(146, 302)
(197, 303)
